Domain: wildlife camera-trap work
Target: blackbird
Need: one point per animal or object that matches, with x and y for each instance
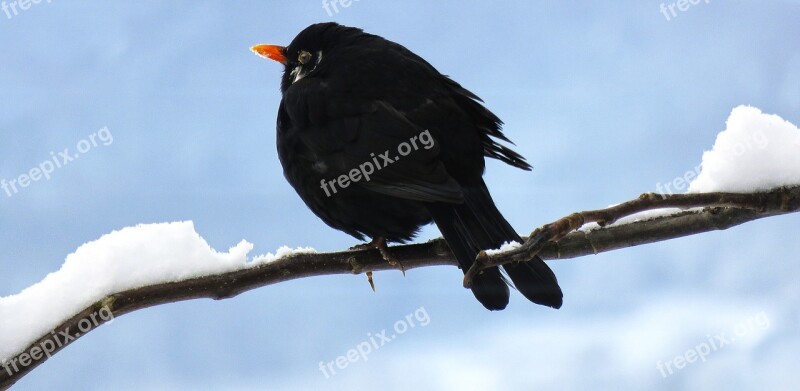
(378, 143)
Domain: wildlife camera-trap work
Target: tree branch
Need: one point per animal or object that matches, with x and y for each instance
(721, 211)
(557, 240)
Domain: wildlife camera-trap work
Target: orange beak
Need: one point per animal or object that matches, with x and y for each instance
(272, 52)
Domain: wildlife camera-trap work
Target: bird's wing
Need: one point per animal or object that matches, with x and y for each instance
(371, 141)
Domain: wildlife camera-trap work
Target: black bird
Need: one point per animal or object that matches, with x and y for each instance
(353, 100)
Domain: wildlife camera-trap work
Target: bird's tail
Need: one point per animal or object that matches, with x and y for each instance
(477, 225)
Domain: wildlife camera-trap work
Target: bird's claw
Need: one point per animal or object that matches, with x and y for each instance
(379, 243)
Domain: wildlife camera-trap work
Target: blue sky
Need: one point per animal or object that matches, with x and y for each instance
(606, 100)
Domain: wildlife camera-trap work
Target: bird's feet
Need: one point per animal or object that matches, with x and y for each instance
(379, 243)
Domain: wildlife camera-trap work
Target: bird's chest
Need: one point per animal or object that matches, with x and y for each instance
(301, 164)
(312, 167)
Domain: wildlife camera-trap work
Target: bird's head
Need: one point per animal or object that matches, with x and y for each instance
(304, 57)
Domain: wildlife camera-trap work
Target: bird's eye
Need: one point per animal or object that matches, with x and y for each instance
(303, 57)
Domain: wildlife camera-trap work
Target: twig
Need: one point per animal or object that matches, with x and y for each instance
(718, 214)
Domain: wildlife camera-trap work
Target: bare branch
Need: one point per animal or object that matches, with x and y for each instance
(557, 240)
(721, 211)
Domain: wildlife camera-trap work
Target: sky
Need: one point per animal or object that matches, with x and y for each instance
(172, 119)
